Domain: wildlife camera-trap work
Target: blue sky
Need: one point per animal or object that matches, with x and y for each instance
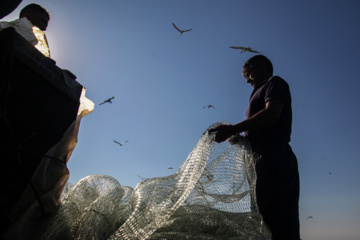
(161, 81)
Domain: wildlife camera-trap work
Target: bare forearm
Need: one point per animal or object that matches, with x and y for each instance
(270, 114)
(259, 120)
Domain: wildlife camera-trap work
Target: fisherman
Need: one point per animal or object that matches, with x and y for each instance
(37, 15)
(268, 128)
(33, 21)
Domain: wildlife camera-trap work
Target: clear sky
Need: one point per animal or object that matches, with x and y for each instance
(160, 81)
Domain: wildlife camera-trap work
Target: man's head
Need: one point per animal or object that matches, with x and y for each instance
(37, 15)
(257, 69)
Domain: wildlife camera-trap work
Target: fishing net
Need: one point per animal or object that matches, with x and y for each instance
(211, 196)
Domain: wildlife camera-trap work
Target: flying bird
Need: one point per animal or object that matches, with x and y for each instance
(108, 100)
(309, 217)
(170, 168)
(179, 30)
(245, 49)
(121, 144)
(209, 106)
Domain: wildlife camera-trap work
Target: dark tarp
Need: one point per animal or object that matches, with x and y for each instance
(37, 105)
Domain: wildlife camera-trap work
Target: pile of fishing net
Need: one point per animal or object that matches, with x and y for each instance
(211, 196)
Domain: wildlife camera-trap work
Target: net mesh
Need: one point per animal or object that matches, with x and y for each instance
(211, 196)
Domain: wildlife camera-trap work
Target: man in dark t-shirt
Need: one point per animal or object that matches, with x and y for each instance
(273, 89)
(268, 128)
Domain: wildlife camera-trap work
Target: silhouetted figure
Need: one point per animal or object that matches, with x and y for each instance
(33, 21)
(245, 49)
(179, 30)
(37, 15)
(108, 100)
(267, 127)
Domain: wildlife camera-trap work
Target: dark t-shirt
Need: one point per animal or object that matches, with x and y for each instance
(280, 131)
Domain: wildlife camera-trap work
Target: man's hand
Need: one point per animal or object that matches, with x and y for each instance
(223, 132)
(237, 138)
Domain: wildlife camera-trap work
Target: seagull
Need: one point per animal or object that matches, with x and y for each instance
(108, 100)
(121, 144)
(209, 106)
(309, 217)
(170, 168)
(180, 31)
(245, 49)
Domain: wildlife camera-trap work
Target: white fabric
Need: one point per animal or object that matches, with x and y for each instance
(31, 33)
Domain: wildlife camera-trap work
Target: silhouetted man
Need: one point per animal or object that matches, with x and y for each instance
(33, 20)
(268, 128)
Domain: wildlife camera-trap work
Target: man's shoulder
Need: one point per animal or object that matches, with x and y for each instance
(276, 88)
(277, 81)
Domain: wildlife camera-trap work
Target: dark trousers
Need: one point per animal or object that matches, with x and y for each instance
(277, 190)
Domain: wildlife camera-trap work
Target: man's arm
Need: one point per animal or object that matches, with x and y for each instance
(270, 114)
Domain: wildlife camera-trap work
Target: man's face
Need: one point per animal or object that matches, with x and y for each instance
(253, 74)
(39, 19)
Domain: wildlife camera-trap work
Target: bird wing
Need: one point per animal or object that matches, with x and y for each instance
(117, 142)
(187, 30)
(242, 48)
(250, 50)
(176, 27)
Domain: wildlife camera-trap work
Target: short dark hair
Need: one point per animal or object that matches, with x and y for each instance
(262, 60)
(33, 6)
